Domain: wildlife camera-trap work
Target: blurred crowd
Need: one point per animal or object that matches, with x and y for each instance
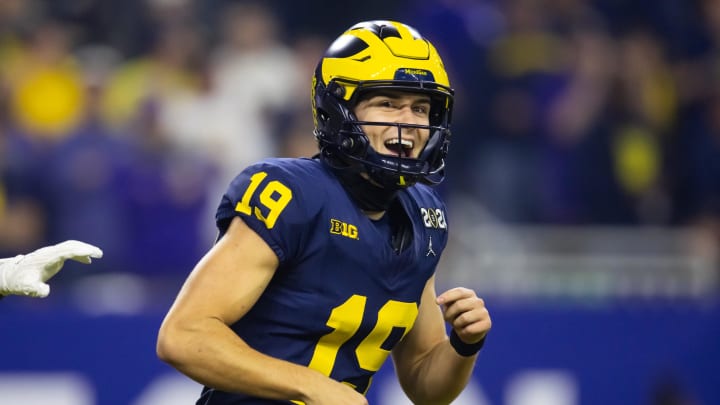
(583, 112)
(122, 122)
(127, 138)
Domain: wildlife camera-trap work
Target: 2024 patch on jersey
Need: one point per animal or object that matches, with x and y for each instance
(342, 296)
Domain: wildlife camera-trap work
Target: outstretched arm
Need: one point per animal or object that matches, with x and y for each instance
(27, 274)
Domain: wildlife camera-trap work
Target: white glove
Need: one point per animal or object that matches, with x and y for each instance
(27, 274)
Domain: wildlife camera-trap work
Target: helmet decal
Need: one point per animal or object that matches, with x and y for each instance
(345, 47)
(380, 28)
(414, 74)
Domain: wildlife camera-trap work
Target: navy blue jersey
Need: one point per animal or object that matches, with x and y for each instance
(342, 296)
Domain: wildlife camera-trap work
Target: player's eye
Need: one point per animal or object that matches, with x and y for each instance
(422, 109)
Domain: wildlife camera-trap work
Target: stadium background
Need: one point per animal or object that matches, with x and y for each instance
(583, 182)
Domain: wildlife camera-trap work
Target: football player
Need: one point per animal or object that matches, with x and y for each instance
(326, 266)
(28, 274)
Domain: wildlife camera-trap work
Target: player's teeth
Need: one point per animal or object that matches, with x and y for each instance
(404, 143)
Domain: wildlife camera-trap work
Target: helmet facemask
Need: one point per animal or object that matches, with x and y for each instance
(343, 140)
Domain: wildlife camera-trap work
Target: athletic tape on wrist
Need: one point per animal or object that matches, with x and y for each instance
(465, 349)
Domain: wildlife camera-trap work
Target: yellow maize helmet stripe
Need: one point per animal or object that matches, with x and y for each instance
(382, 58)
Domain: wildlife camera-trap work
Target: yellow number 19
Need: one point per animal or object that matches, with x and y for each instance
(275, 196)
(345, 320)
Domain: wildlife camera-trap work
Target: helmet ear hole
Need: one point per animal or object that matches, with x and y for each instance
(354, 144)
(336, 89)
(348, 145)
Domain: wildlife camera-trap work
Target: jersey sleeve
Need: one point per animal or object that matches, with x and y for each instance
(271, 199)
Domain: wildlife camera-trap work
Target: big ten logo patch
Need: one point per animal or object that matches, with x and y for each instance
(433, 218)
(338, 227)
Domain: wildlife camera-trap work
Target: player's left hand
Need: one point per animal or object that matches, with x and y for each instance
(26, 275)
(466, 313)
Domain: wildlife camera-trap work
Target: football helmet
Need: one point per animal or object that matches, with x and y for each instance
(376, 55)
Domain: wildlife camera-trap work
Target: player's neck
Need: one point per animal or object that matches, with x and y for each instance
(370, 198)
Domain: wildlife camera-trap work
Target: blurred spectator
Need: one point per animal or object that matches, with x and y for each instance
(166, 194)
(86, 174)
(163, 74)
(251, 74)
(293, 125)
(647, 111)
(45, 84)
